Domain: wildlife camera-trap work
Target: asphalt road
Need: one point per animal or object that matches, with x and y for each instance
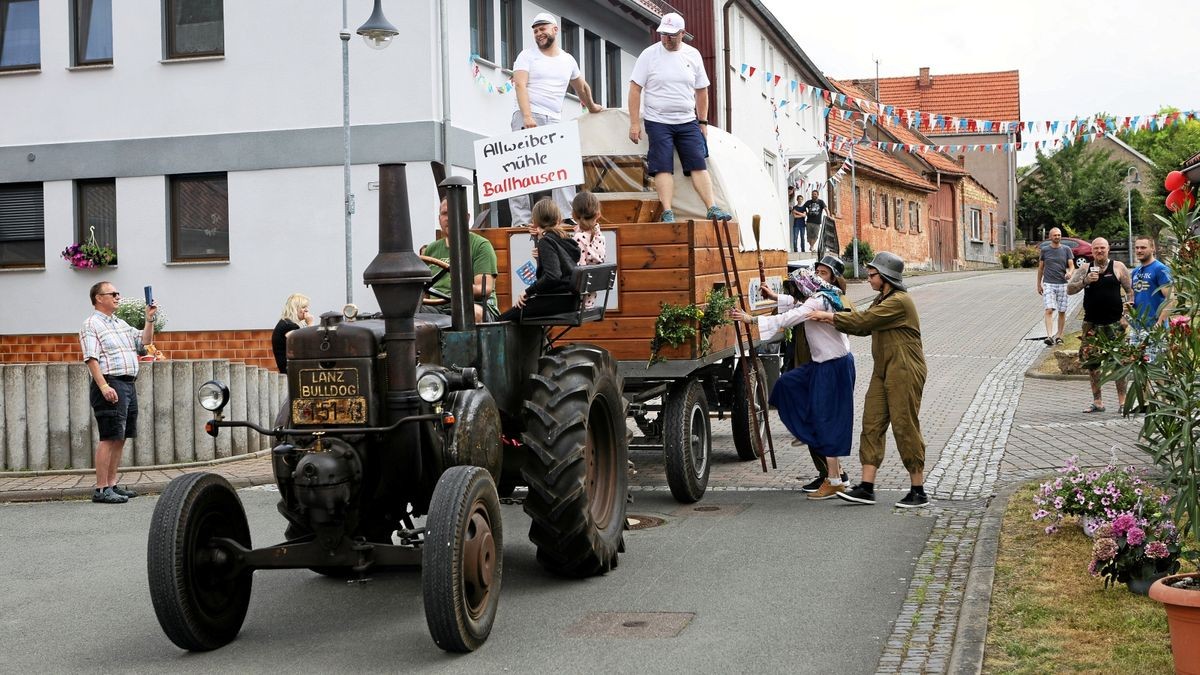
(767, 582)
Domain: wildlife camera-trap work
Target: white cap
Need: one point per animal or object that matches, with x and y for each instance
(671, 23)
(543, 17)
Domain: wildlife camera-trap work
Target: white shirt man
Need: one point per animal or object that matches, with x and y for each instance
(540, 77)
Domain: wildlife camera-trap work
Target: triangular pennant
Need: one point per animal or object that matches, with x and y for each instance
(744, 67)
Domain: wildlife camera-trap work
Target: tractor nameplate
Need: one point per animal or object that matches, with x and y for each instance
(329, 396)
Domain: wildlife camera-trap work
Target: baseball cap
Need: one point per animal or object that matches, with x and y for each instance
(671, 23)
(543, 17)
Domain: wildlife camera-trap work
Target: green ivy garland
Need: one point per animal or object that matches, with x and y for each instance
(677, 324)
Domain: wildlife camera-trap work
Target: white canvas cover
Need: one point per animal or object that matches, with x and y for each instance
(741, 183)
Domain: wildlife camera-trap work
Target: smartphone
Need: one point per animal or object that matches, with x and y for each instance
(149, 296)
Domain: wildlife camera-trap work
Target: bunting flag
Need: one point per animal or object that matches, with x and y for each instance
(485, 83)
(842, 143)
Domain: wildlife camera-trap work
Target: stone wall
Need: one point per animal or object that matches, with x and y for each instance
(48, 423)
(252, 347)
(909, 241)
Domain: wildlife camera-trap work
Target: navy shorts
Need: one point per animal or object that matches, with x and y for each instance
(115, 421)
(666, 139)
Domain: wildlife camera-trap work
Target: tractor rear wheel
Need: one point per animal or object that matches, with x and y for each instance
(577, 469)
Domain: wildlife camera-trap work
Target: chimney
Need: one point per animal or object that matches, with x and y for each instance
(923, 81)
(962, 161)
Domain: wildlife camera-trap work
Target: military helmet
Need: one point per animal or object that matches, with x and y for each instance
(890, 267)
(834, 263)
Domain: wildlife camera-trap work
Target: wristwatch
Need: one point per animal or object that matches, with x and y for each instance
(704, 122)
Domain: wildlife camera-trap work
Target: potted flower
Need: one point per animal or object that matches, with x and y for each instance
(1135, 551)
(1095, 496)
(1169, 389)
(89, 254)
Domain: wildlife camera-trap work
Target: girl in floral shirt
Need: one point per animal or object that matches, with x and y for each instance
(585, 209)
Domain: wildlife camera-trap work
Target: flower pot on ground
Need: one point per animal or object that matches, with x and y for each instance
(1183, 618)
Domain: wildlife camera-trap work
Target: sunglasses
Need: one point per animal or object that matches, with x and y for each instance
(115, 294)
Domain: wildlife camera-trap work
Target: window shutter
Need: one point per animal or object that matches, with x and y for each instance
(21, 212)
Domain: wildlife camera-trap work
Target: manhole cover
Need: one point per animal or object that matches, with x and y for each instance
(706, 508)
(710, 510)
(637, 522)
(636, 625)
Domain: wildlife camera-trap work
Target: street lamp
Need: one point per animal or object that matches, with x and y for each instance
(854, 192)
(378, 34)
(1131, 179)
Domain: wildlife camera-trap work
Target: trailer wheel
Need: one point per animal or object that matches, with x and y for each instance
(577, 468)
(462, 559)
(744, 428)
(199, 600)
(687, 440)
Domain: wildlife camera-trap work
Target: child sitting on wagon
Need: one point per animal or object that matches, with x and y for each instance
(557, 256)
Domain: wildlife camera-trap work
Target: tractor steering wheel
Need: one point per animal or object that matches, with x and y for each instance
(434, 297)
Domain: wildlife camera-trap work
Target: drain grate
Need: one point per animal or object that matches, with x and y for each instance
(634, 625)
(636, 522)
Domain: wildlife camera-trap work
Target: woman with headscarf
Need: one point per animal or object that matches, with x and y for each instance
(816, 399)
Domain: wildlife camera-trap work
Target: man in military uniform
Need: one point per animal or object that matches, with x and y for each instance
(897, 382)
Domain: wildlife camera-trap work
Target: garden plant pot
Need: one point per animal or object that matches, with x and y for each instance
(1183, 618)
(1141, 585)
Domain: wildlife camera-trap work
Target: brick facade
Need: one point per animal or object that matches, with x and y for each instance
(252, 347)
(980, 247)
(908, 242)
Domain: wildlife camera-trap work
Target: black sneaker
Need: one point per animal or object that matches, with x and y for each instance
(107, 496)
(814, 485)
(912, 500)
(859, 495)
(128, 494)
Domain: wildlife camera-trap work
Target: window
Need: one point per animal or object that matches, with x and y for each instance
(195, 28)
(873, 213)
(899, 213)
(199, 215)
(915, 225)
(769, 162)
(92, 21)
(96, 211)
(992, 228)
(22, 225)
(835, 201)
(913, 215)
(612, 75)
(20, 42)
(568, 33)
(976, 224)
(510, 32)
(857, 204)
(593, 62)
(481, 28)
(883, 206)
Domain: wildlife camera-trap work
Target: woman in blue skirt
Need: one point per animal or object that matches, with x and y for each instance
(815, 401)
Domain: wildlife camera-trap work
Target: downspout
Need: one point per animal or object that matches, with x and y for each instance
(725, 72)
(445, 35)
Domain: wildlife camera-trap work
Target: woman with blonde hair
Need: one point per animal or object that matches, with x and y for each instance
(295, 315)
(593, 250)
(557, 257)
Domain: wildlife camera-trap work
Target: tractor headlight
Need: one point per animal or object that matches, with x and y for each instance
(431, 386)
(213, 395)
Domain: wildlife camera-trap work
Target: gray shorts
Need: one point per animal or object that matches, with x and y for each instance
(115, 421)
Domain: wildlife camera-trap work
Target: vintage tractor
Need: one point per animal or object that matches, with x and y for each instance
(407, 415)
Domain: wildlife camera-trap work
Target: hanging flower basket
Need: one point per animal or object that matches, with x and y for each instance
(89, 254)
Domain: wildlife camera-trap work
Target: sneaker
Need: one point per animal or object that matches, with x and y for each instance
(107, 496)
(668, 216)
(814, 485)
(717, 213)
(128, 494)
(912, 500)
(827, 490)
(858, 495)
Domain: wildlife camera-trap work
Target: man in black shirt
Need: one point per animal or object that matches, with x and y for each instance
(1103, 312)
(813, 211)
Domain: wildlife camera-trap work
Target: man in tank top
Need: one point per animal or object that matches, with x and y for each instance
(1102, 283)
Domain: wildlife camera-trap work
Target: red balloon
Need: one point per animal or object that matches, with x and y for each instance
(1174, 181)
(1180, 199)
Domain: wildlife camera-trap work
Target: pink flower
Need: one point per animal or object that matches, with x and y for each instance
(1051, 529)
(1122, 524)
(1104, 548)
(1157, 549)
(1040, 513)
(1135, 536)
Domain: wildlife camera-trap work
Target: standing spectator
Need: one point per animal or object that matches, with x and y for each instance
(668, 86)
(593, 250)
(814, 210)
(897, 382)
(110, 351)
(1102, 283)
(540, 77)
(294, 316)
(815, 400)
(1055, 266)
(1151, 284)
(798, 236)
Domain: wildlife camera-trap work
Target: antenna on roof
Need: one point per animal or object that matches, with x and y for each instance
(876, 79)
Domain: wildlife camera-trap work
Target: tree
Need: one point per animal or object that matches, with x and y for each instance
(1079, 191)
(1168, 146)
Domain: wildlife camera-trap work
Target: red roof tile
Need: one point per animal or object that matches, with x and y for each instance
(985, 96)
(871, 157)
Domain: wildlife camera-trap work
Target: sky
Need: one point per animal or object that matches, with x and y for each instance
(1075, 58)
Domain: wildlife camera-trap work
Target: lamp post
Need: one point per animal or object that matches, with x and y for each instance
(854, 193)
(1131, 179)
(378, 34)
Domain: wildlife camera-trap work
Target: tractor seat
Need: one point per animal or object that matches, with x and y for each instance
(436, 319)
(585, 279)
